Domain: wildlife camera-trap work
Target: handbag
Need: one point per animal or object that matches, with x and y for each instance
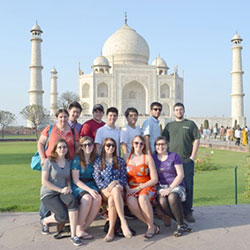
(36, 160)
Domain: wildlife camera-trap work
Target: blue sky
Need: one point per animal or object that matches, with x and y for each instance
(195, 35)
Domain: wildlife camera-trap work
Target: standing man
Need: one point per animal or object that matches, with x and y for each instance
(75, 110)
(90, 127)
(129, 131)
(109, 130)
(237, 135)
(184, 138)
(151, 127)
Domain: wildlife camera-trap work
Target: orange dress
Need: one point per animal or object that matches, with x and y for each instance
(140, 174)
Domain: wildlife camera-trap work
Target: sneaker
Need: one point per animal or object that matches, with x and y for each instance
(189, 218)
(45, 229)
(76, 241)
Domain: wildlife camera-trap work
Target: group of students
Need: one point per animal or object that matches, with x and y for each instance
(82, 169)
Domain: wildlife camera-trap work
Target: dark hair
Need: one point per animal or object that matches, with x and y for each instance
(155, 104)
(103, 154)
(54, 154)
(59, 111)
(75, 104)
(132, 144)
(179, 104)
(161, 138)
(81, 152)
(112, 110)
(132, 110)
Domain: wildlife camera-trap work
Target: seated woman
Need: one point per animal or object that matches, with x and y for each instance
(171, 190)
(56, 193)
(84, 186)
(111, 177)
(142, 178)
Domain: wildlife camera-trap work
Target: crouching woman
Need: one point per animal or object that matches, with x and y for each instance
(56, 193)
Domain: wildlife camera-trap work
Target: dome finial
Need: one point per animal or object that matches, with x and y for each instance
(126, 18)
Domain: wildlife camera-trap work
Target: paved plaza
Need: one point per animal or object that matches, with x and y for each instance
(216, 228)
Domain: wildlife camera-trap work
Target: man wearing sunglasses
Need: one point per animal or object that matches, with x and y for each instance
(184, 138)
(151, 127)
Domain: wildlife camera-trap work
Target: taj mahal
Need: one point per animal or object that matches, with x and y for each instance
(122, 77)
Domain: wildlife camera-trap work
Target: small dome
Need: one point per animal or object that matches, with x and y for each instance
(53, 71)
(101, 61)
(126, 46)
(36, 27)
(159, 62)
(236, 37)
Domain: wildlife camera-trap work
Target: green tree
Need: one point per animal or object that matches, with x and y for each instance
(37, 115)
(66, 98)
(6, 118)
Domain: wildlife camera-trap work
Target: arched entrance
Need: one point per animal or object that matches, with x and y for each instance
(134, 95)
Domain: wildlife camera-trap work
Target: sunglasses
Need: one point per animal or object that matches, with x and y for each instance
(62, 147)
(108, 145)
(160, 144)
(138, 143)
(157, 109)
(89, 144)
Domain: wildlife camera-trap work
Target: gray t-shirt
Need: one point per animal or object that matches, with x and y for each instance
(57, 176)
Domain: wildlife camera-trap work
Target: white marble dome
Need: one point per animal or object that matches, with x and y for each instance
(101, 61)
(236, 37)
(36, 27)
(159, 62)
(126, 46)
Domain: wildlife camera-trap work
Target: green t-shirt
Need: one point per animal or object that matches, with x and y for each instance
(181, 136)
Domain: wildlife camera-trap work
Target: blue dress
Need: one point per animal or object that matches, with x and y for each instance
(85, 175)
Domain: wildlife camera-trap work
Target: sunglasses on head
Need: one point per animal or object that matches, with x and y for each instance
(108, 145)
(138, 143)
(89, 144)
(157, 109)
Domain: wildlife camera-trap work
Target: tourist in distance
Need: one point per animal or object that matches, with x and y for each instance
(142, 178)
(75, 110)
(151, 128)
(184, 138)
(237, 135)
(171, 190)
(108, 130)
(84, 187)
(56, 192)
(111, 177)
(129, 131)
(60, 129)
(90, 127)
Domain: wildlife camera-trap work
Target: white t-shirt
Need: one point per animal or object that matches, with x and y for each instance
(106, 131)
(127, 135)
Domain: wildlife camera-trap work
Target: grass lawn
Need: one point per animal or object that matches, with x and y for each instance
(20, 186)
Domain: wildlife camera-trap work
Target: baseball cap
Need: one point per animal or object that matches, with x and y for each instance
(98, 107)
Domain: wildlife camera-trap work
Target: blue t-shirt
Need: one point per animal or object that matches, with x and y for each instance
(85, 175)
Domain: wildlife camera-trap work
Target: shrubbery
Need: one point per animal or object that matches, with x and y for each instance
(205, 162)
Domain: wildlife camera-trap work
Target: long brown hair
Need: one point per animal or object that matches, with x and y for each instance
(132, 144)
(81, 152)
(54, 154)
(103, 155)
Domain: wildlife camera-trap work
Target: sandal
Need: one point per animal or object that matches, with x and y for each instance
(86, 236)
(150, 235)
(181, 229)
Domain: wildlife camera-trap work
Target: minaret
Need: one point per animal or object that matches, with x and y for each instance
(237, 83)
(36, 86)
(53, 92)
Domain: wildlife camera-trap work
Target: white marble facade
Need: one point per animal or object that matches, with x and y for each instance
(122, 77)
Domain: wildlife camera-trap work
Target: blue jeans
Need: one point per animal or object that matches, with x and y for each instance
(189, 181)
(44, 212)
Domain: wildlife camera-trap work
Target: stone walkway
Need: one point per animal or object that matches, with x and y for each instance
(216, 228)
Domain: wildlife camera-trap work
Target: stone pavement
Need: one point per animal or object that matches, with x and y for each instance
(216, 228)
